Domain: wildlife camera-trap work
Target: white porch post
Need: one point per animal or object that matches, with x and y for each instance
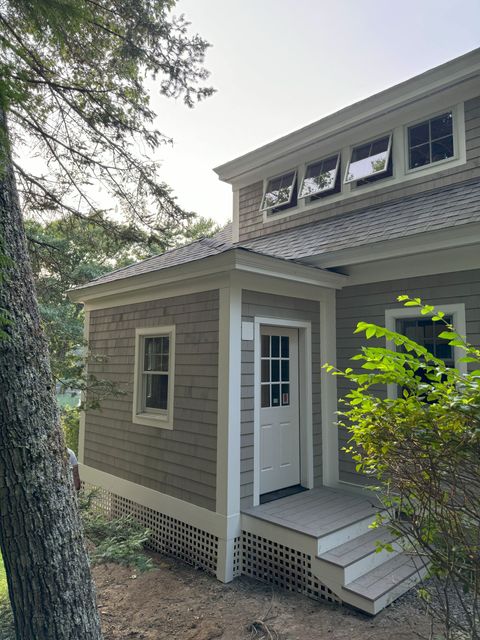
(228, 426)
(328, 353)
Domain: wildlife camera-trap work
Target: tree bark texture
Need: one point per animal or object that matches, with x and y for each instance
(41, 536)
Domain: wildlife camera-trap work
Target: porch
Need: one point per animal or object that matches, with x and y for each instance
(320, 542)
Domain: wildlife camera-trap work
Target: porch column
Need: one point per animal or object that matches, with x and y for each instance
(228, 427)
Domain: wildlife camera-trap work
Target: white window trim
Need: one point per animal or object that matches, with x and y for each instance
(456, 311)
(401, 173)
(369, 141)
(163, 420)
(294, 170)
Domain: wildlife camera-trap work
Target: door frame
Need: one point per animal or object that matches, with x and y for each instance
(304, 399)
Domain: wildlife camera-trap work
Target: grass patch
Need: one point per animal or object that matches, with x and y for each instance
(3, 582)
(6, 622)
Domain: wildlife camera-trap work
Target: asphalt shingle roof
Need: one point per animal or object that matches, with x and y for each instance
(432, 211)
(190, 252)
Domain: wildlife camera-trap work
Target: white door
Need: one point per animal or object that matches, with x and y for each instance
(279, 410)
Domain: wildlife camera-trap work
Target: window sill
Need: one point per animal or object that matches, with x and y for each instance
(153, 420)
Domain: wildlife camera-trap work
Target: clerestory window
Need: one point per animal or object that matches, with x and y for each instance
(321, 177)
(280, 192)
(431, 141)
(369, 160)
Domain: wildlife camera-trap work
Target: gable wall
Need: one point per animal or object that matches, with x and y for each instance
(256, 304)
(251, 223)
(179, 462)
(368, 303)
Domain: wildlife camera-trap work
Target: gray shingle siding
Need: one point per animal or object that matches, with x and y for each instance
(368, 302)
(180, 462)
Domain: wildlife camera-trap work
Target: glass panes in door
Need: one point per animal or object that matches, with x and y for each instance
(275, 371)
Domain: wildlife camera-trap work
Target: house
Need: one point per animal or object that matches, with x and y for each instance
(225, 443)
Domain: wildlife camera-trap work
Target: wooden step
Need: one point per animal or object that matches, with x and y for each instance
(385, 583)
(359, 555)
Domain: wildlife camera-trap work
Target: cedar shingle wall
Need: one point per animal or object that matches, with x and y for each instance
(180, 462)
(272, 306)
(368, 303)
(251, 220)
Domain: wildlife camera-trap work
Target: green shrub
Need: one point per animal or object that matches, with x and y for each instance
(422, 451)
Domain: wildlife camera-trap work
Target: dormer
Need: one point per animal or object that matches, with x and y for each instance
(413, 137)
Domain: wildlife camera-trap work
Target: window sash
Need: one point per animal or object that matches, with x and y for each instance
(365, 166)
(430, 141)
(309, 182)
(279, 190)
(157, 357)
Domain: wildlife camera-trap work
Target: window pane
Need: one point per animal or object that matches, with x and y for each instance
(156, 353)
(265, 395)
(156, 391)
(442, 149)
(265, 370)
(419, 134)
(376, 160)
(419, 156)
(279, 190)
(275, 395)
(285, 395)
(275, 370)
(285, 346)
(320, 176)
(275, 346)
(285, 371)
(441, 126)
(265, 346)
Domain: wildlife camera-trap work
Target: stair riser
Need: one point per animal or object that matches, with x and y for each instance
(344, 535)
(366, 564)
(398, 591)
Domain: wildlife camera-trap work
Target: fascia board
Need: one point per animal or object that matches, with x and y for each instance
(203, 267)
(273, 267)
(452, 73)
(452, 237)
(231, 260)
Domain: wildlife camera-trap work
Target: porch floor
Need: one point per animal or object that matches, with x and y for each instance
(317, 512)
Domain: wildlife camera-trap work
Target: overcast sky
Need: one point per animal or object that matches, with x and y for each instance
(278, 65)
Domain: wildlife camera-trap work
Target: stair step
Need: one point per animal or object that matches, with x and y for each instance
(376, 583)
(354, 550)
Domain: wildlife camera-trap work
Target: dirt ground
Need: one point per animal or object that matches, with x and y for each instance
(177, 601)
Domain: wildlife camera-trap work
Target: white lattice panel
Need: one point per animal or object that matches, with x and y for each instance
(282, 566)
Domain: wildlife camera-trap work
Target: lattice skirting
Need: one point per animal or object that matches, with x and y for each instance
(167, 535)
(254, 556)
(282, 566)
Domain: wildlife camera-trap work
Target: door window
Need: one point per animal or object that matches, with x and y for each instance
(275, 371)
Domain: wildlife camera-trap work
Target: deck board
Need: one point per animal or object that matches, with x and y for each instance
(316, 512)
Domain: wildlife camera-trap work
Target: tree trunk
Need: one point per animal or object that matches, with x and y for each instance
(41, 536)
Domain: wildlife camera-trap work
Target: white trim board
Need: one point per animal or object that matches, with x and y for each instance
(305, 400)
(229, 390)
(214, 523)
(457, 311)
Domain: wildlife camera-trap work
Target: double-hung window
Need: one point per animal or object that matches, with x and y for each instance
(431, 141)
(370, 160)
(321, 177)
(153, 380)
